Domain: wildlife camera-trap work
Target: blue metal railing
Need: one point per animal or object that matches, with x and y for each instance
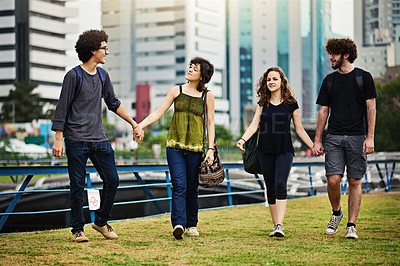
(30, 171)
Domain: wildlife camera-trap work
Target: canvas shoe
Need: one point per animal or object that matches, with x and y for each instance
(273, 231)
(351, 233)
(277, 231)
(107, 231)
(192, 231)
(178, 232)
(79, 237)
(334, 224)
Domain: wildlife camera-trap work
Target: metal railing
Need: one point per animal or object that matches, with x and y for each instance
(386, 170)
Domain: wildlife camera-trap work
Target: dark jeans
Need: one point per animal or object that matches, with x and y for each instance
(102, 156)
(184, 167)
(276, 169)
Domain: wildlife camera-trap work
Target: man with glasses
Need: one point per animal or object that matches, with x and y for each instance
(78, 120)
(348, 97)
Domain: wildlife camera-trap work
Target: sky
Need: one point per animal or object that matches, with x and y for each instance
(341, 23)
(342, 17)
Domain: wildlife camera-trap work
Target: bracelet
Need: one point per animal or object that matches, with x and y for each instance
(243, 140)
(211, 148)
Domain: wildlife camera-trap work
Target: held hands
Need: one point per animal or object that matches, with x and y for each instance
(58, 148)
(209, 156)
(138, 133)
(317, 149)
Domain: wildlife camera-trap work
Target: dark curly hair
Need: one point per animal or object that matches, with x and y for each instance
(342, 46)
(206, 71)
(265, 94)
(89, 41)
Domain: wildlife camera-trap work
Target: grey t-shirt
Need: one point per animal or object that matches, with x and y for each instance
(80, 120)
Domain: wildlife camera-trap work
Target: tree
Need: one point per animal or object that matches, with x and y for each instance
(387, 137)
(22, 105)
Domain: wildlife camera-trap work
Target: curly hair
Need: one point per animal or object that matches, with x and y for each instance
(89, 41)
(265, 94)
(342, 46)
(206, 71)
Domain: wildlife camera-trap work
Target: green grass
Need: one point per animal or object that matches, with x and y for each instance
(231, 236)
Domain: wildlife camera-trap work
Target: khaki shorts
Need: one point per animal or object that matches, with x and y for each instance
(344, 150)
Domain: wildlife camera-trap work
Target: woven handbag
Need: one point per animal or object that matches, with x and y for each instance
(210, 175)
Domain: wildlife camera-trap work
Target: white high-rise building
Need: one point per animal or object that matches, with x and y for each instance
(151, 42)
(266, 33)
(33, 44)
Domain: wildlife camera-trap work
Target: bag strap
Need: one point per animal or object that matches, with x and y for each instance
(204, 119)
(258, 130)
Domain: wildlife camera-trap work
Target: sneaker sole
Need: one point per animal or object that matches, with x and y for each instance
(351, 237)
(279, 234)
(81, 241)
(331, 233)
(178, 233)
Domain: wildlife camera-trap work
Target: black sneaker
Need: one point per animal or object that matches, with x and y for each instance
(334, 224)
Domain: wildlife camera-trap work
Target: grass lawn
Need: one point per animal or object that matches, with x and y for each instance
(231, 236)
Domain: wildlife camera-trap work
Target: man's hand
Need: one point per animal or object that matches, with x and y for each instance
(317, 149)
(58, 148)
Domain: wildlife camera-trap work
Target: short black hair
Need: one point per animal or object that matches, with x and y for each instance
(89, 41)
(206, 71)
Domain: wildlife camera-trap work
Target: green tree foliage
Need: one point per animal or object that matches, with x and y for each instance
(387, 137)
(26, 104)
(224, 137)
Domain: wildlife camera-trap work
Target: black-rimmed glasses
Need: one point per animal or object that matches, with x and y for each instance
(105, 49)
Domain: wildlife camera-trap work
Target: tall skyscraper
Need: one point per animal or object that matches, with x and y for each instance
(33, 44)
(265, 33)
(152, 42)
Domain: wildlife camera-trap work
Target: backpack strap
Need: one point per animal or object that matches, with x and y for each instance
(329, 82)
(79, 82)
(103, 74)
(180, 89)
(360, 81)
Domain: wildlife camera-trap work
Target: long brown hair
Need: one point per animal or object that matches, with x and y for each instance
(265, 94)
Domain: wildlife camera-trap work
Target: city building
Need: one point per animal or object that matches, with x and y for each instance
(151, 42)
(265, 33)
(377, 34)
(33, 45)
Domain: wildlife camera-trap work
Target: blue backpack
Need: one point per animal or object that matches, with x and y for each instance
(79, 81)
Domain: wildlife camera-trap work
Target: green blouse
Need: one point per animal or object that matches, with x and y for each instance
(186, 130)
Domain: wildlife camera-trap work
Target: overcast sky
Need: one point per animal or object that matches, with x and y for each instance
(342, 16)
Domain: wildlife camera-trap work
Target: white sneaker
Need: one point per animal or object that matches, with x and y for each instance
(178, 232)
(277, 231)
(351, 232)
(192, 231)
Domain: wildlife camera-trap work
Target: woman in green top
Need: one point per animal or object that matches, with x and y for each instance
(185, 142)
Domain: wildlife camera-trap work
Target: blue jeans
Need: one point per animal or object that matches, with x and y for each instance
(102, 156)
(184, 167)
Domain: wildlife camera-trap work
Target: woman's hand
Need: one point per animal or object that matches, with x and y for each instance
(240, 143)
(209, 156)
